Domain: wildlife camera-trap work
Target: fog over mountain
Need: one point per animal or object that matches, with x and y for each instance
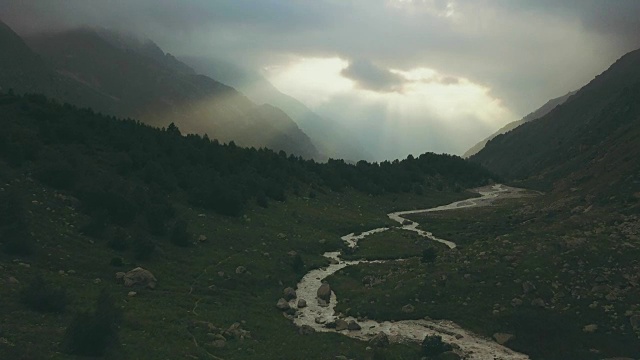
(404, 76)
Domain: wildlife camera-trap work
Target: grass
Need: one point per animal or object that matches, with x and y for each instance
(480, 285)
(197, 284)
(391, 244)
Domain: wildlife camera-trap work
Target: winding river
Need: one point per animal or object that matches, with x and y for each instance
(471, 345)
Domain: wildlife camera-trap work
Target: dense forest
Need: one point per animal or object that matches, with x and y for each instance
(124, 173)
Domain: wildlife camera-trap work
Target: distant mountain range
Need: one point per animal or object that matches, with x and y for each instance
(543, 110)
(329, 136)
(122, 76)
(590, 142)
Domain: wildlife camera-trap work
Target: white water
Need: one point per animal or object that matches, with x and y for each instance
(471, 345)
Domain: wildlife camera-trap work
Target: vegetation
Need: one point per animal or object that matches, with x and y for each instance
(540, 269)
(127, 192)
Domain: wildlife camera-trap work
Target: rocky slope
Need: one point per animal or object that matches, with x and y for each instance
(542, 111)
(590, 142)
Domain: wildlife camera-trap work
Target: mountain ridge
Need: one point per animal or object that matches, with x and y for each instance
(108, 73)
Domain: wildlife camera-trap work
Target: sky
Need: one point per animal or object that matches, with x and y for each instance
(404, 76)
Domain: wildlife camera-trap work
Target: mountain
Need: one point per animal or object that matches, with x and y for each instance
(591, 142)
(543, 110)
(329, 136)
(112, 74)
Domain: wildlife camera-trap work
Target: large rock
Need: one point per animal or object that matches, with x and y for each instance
(302, 303)
(306, 330)
(139, 277)
(380, 340)
(289, 294)
(282, 304)
(408, 309)
(353, 326)
(324, 292)
(341, 325)
(502, 338)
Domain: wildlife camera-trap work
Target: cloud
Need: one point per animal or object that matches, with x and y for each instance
(522, 52)
(372, 77)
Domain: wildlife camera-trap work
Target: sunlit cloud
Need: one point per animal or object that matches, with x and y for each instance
(425, 110)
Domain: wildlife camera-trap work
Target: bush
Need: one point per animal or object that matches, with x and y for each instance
(117, 261)
(59, 175)
(43, 297)
(429, 255)
(90, 334)
(143, 247)
(297, 264)
(179, 234)
(118, 239)
(432, 345)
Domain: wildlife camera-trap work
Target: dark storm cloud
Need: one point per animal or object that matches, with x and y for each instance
(524, 51)
(372, 77)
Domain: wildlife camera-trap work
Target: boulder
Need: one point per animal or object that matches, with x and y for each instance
(289, 294)
(132, 293)
(408, 309)
(324, 292)
(139, 277)
(306, 330)
(219, 344)
(528, 287)
(241, 270)
(380, 340)
(591, 328)
(341, 325)
(202, 238)
(353, 326)
(634, 320)
(538, 302)
(235, 331)
(502, 338)
(283, 304)
(302, 303)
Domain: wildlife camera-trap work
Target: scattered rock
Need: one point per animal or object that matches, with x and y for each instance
(537, 302)
(353, 326)
(138, 277)
(380, 340)
(408, 308)
(289, 294)
(241, 270)
(341, 325)
(302, 303)
(306, 330)
(528, 287)
(591, 328)
(219, 344)
(283, 304)
(324, 292)
(503, 338)
(235, 331)
(634, 320)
